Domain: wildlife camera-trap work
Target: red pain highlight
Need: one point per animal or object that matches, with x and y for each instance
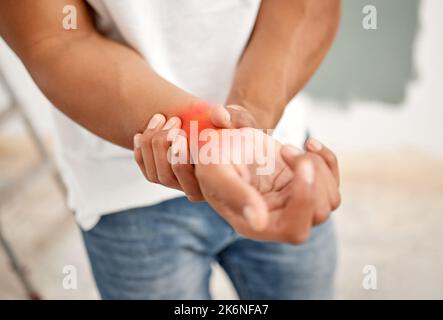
(199, 112)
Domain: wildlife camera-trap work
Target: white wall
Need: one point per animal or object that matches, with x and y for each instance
(417, 124)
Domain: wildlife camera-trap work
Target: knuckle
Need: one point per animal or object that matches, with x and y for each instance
(180, 168)
(322, 215)
(145, 141)
(151, 178)
(195, 198)
(300, 237)
(336, 201)
(159, 140)
(306, 194)
(166, 180)
(331, 157)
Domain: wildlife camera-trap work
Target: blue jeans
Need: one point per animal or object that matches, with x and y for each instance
(165, 251)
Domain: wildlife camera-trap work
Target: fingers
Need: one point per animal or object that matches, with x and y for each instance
(241, 117)
(289, 154)
(331, 185)
(160, 147)
(152, 151)
(225, 189)
(138, 154)
(184, 171)
(300, 208)
(317, 193)
(220, 117)
(328, 156)
(324, 188)
(232, 117)
(155, 124)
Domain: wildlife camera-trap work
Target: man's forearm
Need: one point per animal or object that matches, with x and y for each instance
(103, 85)
(289, 41)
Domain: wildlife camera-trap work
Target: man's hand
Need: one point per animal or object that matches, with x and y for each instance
(151, 148)
(232, 117)
(283, 206)
(301, 192)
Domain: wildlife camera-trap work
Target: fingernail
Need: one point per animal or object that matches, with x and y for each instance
(235, 107)
(155, 121)
(137, 143)
(307, 170)
(257, 220)
(293, 151)
(227, 115)
(314, 144)
(171, 123)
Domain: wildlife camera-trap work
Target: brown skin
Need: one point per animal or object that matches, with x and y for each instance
(106, 87)
(285, 204)
(109, 89)
(288, 43)
(273, 69)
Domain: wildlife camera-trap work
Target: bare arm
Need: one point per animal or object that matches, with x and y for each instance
(104, 86)
(289, 41)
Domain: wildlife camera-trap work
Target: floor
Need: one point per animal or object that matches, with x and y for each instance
(391, 218)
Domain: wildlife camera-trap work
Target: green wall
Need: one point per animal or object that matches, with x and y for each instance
(370, 64)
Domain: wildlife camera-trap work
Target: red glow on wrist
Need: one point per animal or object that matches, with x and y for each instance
(199, 112)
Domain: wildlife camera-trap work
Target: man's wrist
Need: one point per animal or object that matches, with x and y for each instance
(264, 116)
(198, 114)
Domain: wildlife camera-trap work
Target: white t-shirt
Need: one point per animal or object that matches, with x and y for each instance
(194, 44)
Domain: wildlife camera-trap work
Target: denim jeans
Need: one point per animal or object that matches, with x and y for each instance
(165, 251)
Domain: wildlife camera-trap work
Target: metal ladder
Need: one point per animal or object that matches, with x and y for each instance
(44, 165)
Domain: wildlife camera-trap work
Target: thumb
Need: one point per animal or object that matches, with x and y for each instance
(290, 154)
(232, 196)
(220, 117)
(232, 117)
(241, 117)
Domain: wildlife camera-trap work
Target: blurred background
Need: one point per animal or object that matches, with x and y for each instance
(377, 100)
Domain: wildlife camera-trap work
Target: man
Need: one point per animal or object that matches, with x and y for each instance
(136, 65)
